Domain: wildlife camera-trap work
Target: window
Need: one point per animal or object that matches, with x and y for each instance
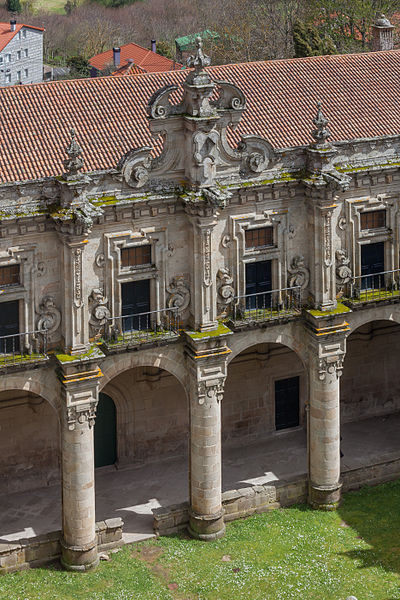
(136, 256)
(9, 275)
(18, 75)
(8, 58)
(1, 60)
(26, 52)
(24, 33)
(26, 72)
(19, 55)
(373, 219)
(258, 238)
(8, 77)
(19, 35)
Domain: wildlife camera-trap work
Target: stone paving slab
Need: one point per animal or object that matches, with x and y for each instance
(131, 493)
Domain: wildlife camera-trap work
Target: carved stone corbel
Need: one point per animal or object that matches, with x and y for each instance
(257, 155)
(49, 316)
(343, 271)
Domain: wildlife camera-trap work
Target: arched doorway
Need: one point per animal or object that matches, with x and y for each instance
(263, 415)
(105, 432)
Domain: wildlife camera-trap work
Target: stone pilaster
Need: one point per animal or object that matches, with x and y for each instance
(204, 299)
(327, 351)
(207, 358)
(80, 391)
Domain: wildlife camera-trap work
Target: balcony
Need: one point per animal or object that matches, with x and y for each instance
(374, 287)
(131, 331)
(23, 349)
(254, 309)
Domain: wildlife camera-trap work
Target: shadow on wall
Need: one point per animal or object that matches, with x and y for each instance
(376, 520)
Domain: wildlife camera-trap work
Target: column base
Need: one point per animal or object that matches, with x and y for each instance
(79, 558)
(324, 497)
(206, 527)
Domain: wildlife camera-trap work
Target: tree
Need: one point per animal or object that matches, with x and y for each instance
(14, 6)
(308, 42)
(79, 66)
(164, 48)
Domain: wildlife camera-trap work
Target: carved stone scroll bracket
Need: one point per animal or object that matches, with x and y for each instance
(225, 291)
(81, 414)
(49, 316)
(179, 294)
(135, 166)
(257, 155)
(99, 311)
(159, 106)
(230, 97)
(299, 275)
(343, 271)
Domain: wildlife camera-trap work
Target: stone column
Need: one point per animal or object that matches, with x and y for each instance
(207, 367)
(324, 426)
(79, 542)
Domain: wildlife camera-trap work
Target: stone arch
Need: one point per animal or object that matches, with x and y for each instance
(272, 335)
(44, 383)
(170, 359)
(383, 313)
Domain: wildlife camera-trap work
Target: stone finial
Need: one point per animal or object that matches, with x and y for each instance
(321, 133)
(382, 34)
(199, 60)
(382, 21)
(74, 163)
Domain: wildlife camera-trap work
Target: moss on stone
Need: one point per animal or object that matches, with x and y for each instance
(93, 352)
(340, 309)
(203, 335)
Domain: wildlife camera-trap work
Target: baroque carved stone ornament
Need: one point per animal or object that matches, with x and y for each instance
(299, 275)
(99, 311)
(330, 365)
(343, 271)
(225, 290)
(179, 294)
(321, 133)
(49, 316)
(74, 163)
(209, 390)
(80, 414)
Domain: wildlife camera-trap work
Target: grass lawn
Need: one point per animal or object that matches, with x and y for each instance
(55, 6)
(291, 553)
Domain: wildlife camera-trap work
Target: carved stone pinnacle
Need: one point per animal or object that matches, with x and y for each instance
(74, 163)
(199, 60)
(321, 133)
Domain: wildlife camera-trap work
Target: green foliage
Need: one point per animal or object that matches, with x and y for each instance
(164, 48)
(308, 42)
(79, 66)
(14, 6)
(115, 3)
(291, 554)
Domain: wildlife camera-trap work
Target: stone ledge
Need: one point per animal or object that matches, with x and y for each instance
(42, 549)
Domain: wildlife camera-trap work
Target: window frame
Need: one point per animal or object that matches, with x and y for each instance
(254, 232)
(371, 215)
(16, 271)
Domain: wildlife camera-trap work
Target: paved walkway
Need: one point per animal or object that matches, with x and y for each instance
(132, 492)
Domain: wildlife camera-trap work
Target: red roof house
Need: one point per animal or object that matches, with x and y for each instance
(123, 59)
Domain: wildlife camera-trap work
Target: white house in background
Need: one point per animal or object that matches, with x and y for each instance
(21, 53)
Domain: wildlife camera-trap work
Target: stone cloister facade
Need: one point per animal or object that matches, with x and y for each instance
(187, 284)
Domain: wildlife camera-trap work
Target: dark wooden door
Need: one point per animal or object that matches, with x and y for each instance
(372, 262)
(9, 326)
(135, 301)
(105, 432)
(258, 280)
(287, 403)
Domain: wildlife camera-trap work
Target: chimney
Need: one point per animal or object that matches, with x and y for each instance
(117, 56)
(153, 46)
(13, 24)
(382, 34)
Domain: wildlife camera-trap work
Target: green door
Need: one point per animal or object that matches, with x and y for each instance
(105, 432)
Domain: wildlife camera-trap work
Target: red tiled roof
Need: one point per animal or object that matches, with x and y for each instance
(6, 35)
(128, 69)
(149, 61)
(360, 95)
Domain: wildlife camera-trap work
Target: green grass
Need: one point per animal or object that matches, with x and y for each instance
(295, 553)
(340, 309)
(51, 6)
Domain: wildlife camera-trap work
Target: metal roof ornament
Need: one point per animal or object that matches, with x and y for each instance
(199, 60)
(321, 133)
(74, 163)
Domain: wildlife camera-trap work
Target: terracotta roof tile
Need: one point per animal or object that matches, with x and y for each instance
(6, 35)
(149, 61)
(360, 95)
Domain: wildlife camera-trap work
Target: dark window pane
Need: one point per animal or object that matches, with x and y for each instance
(136, 256)
(9, 275)
(257, 238)
(373, 219)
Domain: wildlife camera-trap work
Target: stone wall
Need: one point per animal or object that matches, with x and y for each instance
(370, 384)
(29, 442)
(34, 552)
(248, 406)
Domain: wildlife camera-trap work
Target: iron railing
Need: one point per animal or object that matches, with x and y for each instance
(264, 306)
(23, 347)
(142, 327)
(375, 286)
